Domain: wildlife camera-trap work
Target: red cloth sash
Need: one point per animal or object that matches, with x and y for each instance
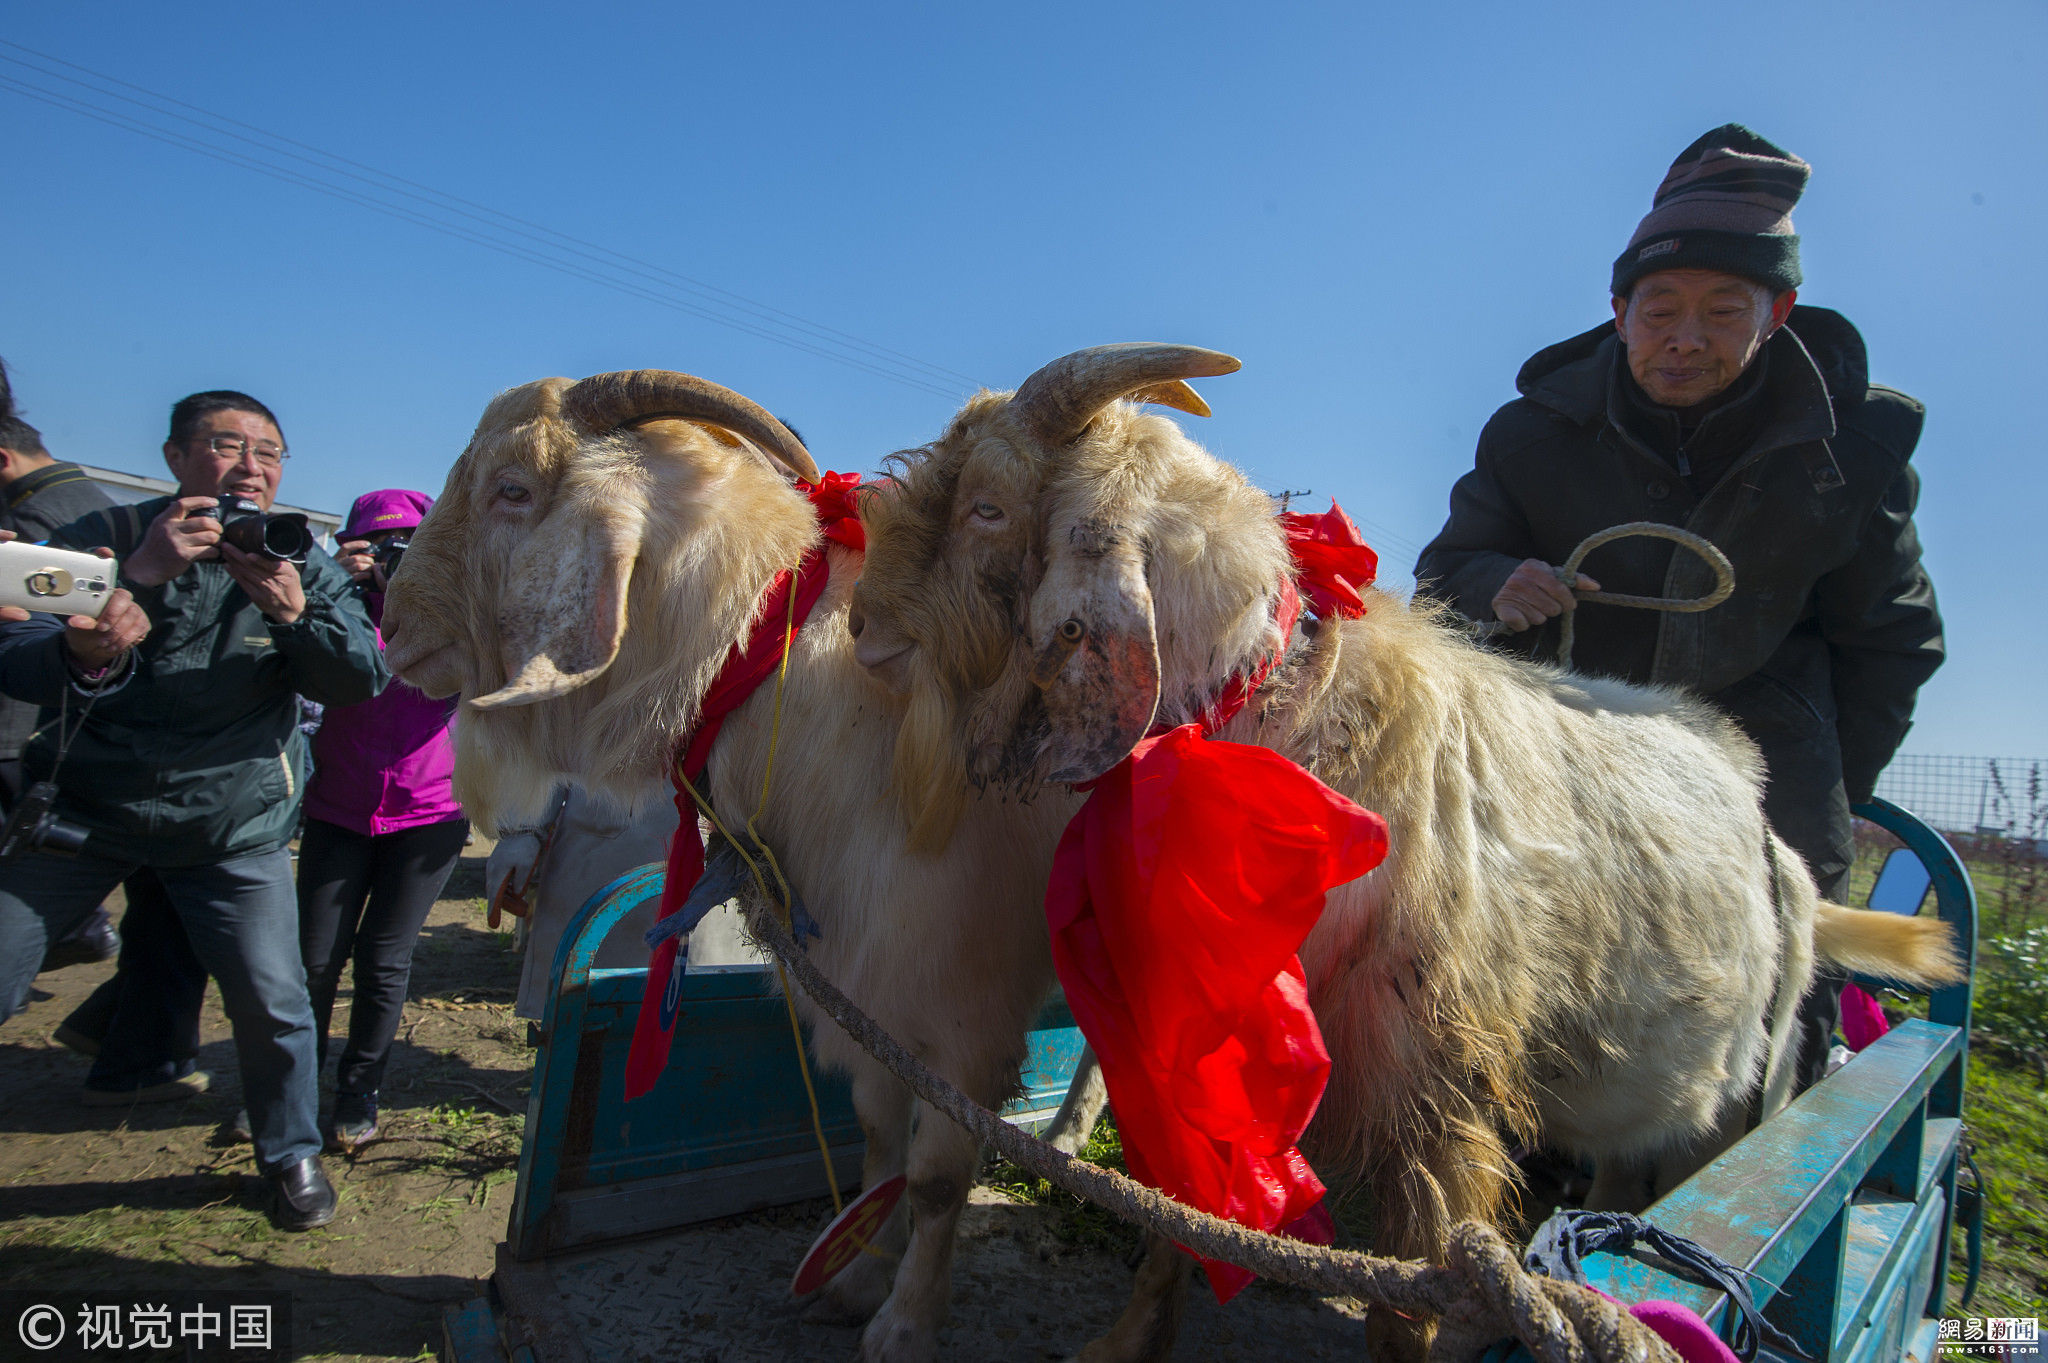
(1180, 894)
(751, 661)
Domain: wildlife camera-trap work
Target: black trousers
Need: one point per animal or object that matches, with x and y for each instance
(364, 898)
(146, 1016)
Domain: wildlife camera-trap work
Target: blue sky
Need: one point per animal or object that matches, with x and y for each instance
(1382, 211)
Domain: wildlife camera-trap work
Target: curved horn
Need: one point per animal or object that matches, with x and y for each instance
(607, 402)
(1059, 401)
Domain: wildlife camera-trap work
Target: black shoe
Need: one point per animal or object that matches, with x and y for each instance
(355, 1120)
(90, 943)
(188, 1085)
(305, 1198)
(70, 1037)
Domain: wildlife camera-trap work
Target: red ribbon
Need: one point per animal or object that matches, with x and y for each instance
(1180, 895)
(750, 662)
(1332, 560)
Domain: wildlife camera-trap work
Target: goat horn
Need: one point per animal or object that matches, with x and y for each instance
(1059, 401)
(608, 402)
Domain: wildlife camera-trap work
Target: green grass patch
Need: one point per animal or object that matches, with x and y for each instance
(1076, 1222)
(2003, 1109)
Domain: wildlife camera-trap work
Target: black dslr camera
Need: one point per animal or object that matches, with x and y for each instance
(385, 556)
(33, 826)
(251, 529)
(390, 552)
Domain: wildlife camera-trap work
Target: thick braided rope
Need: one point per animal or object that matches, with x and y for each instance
(1724, 576)
(1568, 573)
(1482, 1296)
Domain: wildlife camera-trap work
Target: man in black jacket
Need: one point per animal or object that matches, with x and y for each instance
(1715, 403)
(38, 493)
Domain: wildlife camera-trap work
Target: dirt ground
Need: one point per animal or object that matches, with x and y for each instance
(159, 1196)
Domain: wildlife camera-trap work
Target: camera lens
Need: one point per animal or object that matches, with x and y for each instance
(287, 537)
(59, 838)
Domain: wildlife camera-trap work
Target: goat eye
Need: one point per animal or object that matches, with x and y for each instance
(512, 492)
(988, 511)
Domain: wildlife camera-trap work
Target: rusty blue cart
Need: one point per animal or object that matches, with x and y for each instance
(726, 1130)
(1841, 1207)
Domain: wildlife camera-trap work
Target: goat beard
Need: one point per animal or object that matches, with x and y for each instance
(1011, 758)
(501, 778)
(509, 764)
(931, 768)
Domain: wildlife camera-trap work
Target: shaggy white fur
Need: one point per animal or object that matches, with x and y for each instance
(546, 527)
(1579, 932)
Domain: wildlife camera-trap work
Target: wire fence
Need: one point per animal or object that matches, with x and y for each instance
(2001, 796)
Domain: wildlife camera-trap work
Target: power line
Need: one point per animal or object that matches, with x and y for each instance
(387, 179)
(465, 220)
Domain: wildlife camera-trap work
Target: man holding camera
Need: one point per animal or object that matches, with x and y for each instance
(176, 748)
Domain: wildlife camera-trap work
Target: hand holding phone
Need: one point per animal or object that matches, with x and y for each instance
(60, 581)
(101, 621)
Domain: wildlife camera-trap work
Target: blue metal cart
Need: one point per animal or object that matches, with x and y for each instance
(1840, 1207)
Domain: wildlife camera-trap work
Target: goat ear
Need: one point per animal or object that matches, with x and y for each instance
(564, 607)
(1096, 659)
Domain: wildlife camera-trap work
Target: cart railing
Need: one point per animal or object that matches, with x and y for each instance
(1839, 1207)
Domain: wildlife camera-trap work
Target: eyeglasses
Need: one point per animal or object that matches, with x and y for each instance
(235, 447)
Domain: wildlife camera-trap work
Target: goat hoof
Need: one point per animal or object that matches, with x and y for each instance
(889, 1340)
(852, 1298)
(827, 1309)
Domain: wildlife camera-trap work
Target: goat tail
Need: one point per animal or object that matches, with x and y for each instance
(1914, 951)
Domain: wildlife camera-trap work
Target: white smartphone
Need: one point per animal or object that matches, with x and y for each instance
(61, 581)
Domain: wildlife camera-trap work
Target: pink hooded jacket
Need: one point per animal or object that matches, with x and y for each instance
(388, 763)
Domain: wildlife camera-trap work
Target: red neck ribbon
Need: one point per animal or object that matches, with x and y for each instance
(752, 661)
(1180, 895)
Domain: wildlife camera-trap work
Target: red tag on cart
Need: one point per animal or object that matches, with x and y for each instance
(839, 1242)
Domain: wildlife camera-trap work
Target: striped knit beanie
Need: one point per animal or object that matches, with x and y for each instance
(1725, 205)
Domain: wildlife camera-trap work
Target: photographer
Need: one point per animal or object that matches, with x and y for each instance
(176, 715)
(383, 831)
(38, 493)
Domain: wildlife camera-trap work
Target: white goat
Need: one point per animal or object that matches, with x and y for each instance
(1584, 928)
(598, 550)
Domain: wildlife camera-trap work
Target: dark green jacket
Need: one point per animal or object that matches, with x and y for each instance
(1833, 625)
(198, 757)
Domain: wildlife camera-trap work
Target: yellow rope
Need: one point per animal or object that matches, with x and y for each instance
(782, 907)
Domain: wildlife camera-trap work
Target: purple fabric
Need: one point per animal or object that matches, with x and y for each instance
(393, 508)
(386, 764)
(1862, 1020)
(1685, 1332)
(389, 763)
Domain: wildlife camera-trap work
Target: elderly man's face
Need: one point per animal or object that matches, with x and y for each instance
(1691, 333)
(236, 454)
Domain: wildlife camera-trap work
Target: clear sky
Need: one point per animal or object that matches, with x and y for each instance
(1382, 210)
